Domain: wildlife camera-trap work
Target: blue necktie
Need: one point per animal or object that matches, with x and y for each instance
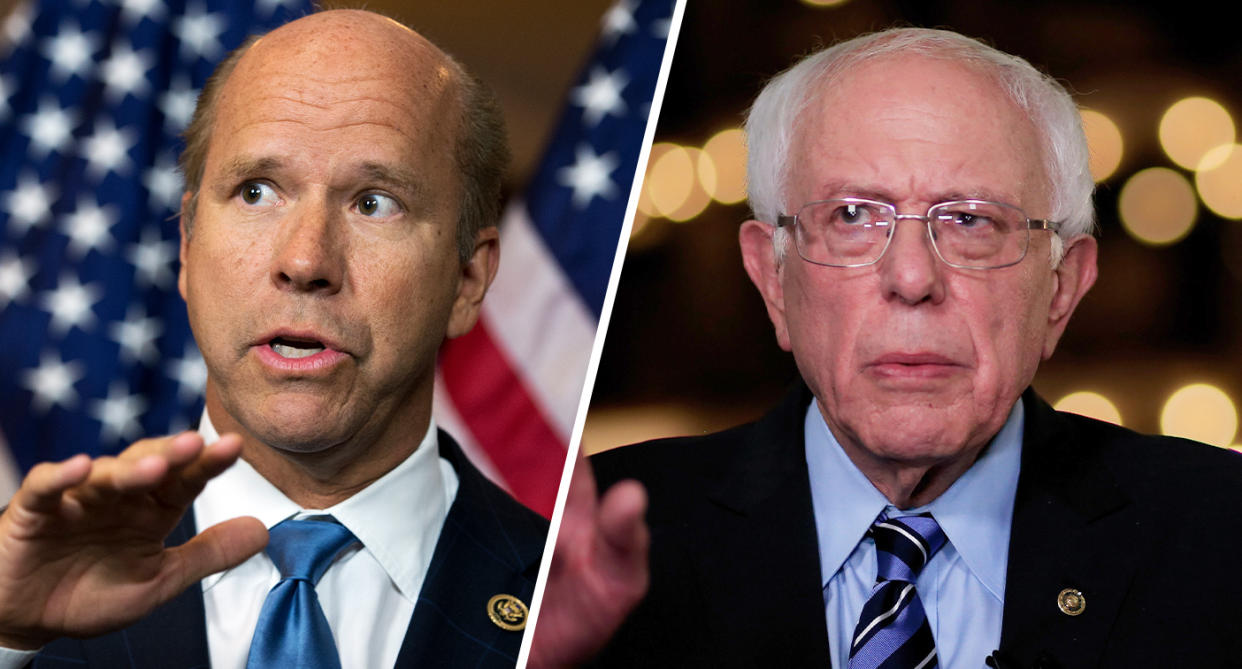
(893, 631)
(292, 630)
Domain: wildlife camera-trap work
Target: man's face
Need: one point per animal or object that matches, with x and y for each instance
(321, 273)
(912, 361)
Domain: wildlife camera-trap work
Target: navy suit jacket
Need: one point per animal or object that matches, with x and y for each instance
(490, 545)
(1149, 529)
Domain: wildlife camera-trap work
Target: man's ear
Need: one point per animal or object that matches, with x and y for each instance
(476, 275)
(763, 267)
(187, 200)
(1072, 279)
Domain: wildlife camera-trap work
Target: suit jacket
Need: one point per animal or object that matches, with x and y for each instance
(490, 544)
(1149, 529)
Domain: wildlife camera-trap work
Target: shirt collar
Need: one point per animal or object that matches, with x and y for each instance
(397, 518)
(976, 512)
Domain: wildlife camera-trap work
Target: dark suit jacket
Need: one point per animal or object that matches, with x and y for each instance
(1148, 528)
(490, 544)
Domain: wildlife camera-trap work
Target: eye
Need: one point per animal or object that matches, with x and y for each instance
(377, 205)
(854, 214)
(256, 193)
(962, 219)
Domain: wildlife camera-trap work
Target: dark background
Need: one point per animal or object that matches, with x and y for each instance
(690, 348)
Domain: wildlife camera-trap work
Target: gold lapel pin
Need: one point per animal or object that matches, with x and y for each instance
(1071, 602)
(507, 612)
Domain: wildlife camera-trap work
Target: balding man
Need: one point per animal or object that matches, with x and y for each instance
(922, 237)
(343, 179)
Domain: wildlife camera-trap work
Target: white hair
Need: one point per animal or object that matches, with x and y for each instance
(772, 119)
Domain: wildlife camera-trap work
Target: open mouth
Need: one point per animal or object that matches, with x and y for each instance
(295, 348)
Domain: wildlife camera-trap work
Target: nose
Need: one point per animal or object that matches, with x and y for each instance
(308, 257)
(910, 271)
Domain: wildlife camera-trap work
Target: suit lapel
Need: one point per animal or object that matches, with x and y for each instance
(490, 545)
(1072, 528)
(757, 534)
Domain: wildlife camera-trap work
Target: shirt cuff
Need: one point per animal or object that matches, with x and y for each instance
(15, 659)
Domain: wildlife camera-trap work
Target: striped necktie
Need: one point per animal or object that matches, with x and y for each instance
(292, 629)
(893, 631)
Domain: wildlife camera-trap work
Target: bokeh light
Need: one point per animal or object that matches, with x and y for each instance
(727, 150)
(1090, 404)
(640, 221)
(1192, 127)
(697, 199)
(1104, 142)
(670, 179)
(1219, 181)
(1157, 206)
(824, 3)
(645, 204)
(1202, 412)
(705, 168)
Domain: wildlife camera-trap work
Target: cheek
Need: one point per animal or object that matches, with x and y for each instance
(406, 296)
(824, 322)
(1008, 335)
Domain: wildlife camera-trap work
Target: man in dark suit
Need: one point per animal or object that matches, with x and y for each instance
(922, 237)
(343, 179)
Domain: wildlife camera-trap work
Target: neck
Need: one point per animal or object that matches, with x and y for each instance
(908, 483)
(907, 486)
(326, 476)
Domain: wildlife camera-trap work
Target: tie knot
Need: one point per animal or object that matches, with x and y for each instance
(904, 545)
(303, 549)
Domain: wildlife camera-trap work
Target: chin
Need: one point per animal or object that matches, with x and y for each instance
(295, 426)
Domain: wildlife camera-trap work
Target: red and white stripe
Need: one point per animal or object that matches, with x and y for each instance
(509, 390)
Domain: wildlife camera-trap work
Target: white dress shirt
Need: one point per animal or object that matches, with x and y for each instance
(368, 594)
(963, 586)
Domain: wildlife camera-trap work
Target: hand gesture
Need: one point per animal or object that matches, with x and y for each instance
(82, 541)
(598, 574)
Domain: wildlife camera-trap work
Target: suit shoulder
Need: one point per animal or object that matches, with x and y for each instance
(1162, 469)
(671, 460)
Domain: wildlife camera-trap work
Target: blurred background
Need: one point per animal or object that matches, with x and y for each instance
(1156, 345)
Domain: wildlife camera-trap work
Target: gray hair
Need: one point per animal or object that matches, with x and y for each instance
(481, 150)
(772, 119)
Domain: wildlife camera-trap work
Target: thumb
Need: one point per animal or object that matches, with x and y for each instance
(219, 547)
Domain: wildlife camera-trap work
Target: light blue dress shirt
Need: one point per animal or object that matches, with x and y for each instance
(962, 588)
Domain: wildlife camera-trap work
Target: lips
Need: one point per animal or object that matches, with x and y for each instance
(913, 359)
(914, 366)
(298, 352)
(295, 348)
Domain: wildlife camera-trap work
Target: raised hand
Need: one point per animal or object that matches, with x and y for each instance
(598, 574)
(82, 541)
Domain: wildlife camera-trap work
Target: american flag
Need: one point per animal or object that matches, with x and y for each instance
(509, 390)
(95, 350)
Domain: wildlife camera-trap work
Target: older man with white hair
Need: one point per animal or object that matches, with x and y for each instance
(922, 237)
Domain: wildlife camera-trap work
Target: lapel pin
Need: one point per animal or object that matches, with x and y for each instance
(507, 612)
(1071, 602)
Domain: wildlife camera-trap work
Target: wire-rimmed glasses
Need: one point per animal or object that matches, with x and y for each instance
(969, 234)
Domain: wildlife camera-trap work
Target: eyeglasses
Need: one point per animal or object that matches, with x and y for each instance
(969, 234)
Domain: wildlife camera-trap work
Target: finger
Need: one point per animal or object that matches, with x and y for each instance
(623, 533)
(141, 468)
(219, 547)
(42, 489)
(211, 461)
(580, 502)
(177, 449)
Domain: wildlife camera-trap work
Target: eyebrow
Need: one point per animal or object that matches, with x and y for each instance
(243, 167)
(392, 177)
(869, 192)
